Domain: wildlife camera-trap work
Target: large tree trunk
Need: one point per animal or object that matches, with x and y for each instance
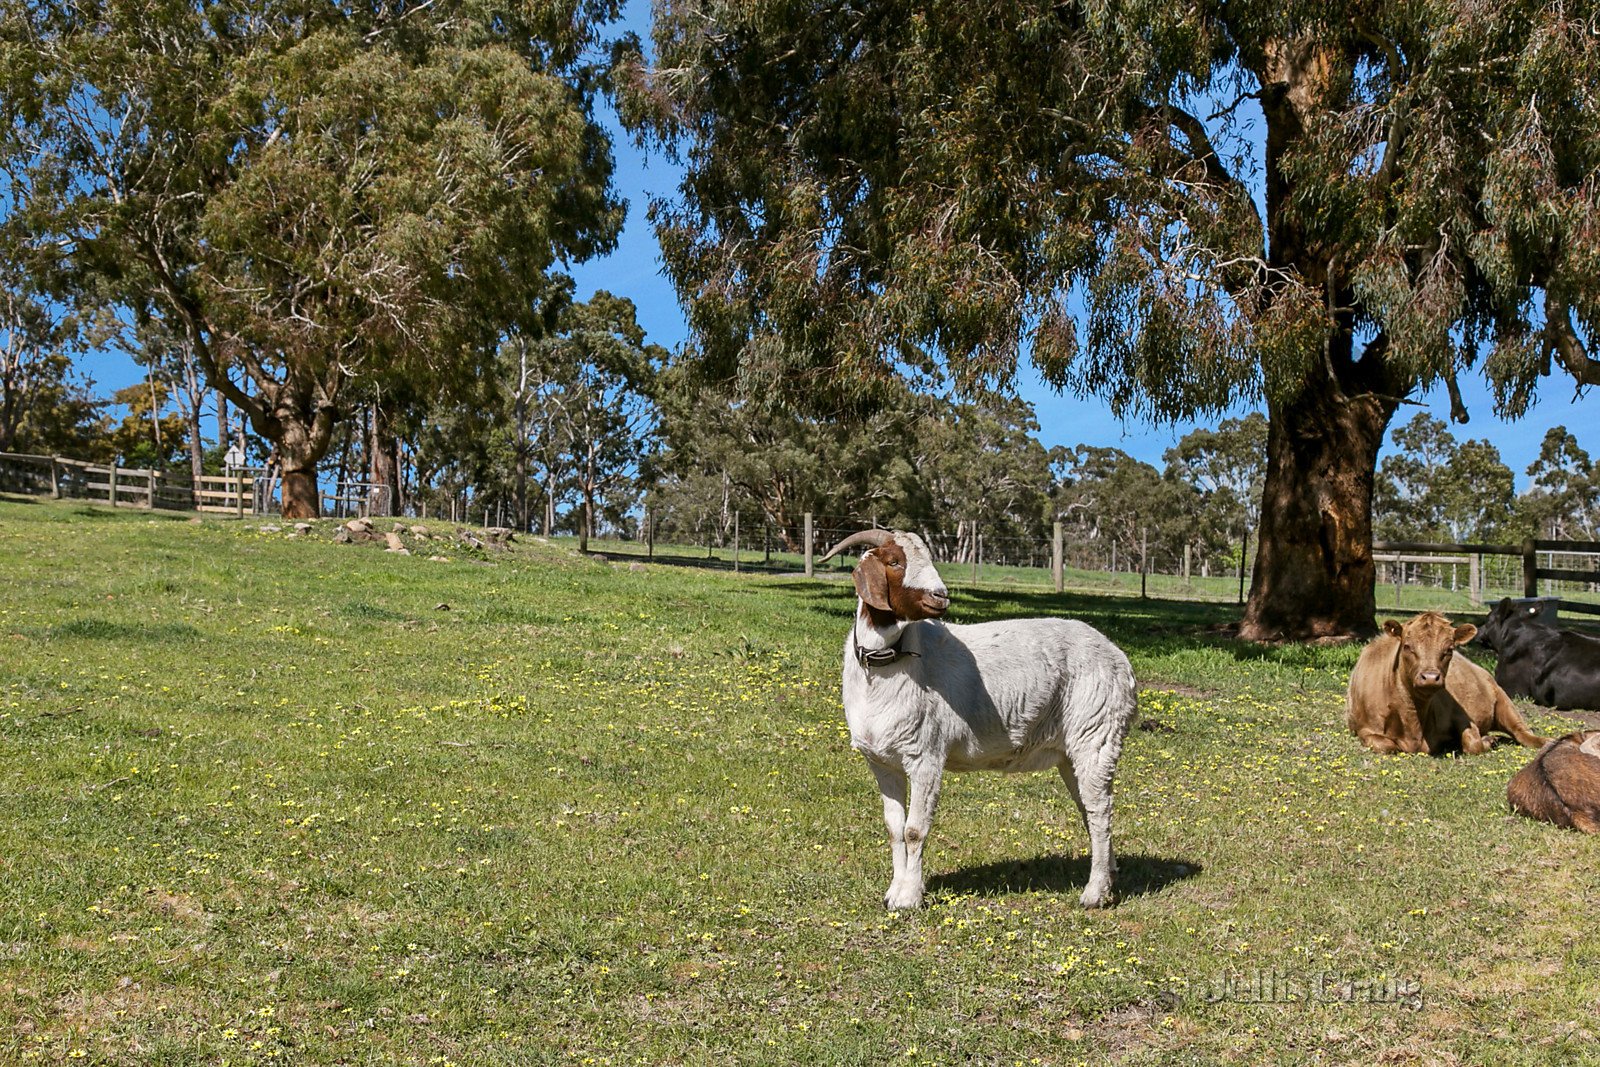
(300, 500)
(301, 431)
(385, 451)
(1314, 574)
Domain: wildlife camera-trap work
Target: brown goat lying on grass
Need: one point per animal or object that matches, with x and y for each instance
(1562, 784)
(1410, 693)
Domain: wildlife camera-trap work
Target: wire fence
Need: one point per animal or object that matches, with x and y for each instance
(1409, 578)
(968, 554)
(1075, 556)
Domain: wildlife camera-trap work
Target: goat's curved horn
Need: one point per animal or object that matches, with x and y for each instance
(874, 538)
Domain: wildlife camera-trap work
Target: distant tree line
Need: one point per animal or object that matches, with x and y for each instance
(1439, 489)
(586, 428)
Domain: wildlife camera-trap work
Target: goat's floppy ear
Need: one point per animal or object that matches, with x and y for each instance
(1465, 632)
(1392, 628)
(872, 582)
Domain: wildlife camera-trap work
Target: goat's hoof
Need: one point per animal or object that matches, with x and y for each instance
(897, 899)
(1097, 897)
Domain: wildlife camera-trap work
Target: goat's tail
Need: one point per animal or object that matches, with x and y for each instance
(1120, 693)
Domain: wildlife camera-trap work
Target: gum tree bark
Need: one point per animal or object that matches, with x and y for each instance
(1314, 573)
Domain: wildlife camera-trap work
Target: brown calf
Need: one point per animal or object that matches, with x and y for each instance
(1410, 693)
(1562, 784)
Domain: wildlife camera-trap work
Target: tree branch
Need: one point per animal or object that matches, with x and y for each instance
(1561, 339)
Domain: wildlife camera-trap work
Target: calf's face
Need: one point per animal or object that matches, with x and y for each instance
(1427, 645)
(1501, 623)
(898, 577)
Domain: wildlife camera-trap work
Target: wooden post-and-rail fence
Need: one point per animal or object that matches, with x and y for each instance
(1401, 552)
(60, 477)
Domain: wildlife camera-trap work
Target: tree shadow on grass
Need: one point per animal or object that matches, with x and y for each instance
(1137, 876)
(1150, 627)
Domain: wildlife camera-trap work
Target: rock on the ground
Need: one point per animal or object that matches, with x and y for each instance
(395, 544)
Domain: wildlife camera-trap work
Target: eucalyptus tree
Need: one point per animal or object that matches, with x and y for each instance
(1227, 464)
(980, 471)
(319, 196)
(593, 398)
(1564, 499)
(881, 190)
(721, 451)
(1436, 488)
(37, 339)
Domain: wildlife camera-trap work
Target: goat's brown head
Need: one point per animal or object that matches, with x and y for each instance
(1427, 645)
(896, 577)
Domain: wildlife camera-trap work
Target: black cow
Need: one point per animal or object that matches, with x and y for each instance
(1556, 668)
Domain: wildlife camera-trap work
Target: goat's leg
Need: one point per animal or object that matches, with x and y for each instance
(906, 892)
(1071, 778)
(1091, 792)
(892, 784)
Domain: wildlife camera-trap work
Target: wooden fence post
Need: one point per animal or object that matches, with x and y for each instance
(1475, 579)
(150, 490)
(238, 496)
(1244, 554)
(1188, 553)
(55, 478)
(809, 563)
(1144, 561)
(1057, 568)
(111, 486)
(1530, 569)
(649, 534)
(736, 542)
(977, 551)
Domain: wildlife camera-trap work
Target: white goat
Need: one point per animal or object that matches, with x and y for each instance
(922, 697)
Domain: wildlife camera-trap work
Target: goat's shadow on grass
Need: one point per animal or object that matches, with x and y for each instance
(1137, 876)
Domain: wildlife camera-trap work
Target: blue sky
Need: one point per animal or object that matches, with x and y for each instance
(634, 270)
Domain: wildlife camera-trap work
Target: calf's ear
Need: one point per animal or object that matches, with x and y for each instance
(1465, 632)
(1392, 628)
(872, 582)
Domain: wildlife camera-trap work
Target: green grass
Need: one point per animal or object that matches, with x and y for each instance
(270, 799)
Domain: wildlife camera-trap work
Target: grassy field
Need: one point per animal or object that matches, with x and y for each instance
(274, 800)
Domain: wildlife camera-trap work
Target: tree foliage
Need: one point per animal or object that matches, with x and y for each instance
(888, 191)
(317, 196)
(1438, 489)
(564, 418)
(1564, 500)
